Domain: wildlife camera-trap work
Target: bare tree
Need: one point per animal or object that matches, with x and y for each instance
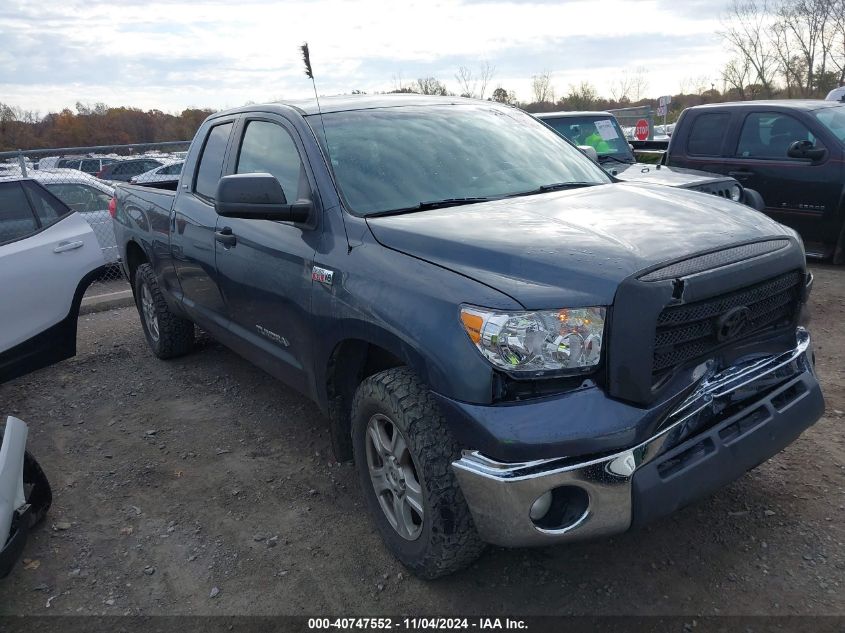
(806, 23)
(399, 84)
(485, 74)
(466, 82)
(431, 86)
(620, 88)
(639, 83)
(837, 48)
(735, 76)
(747, 30)
(541, 87)
(474, 85)
(582, 97)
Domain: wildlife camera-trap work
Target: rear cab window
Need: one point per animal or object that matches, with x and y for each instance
(211, 161)
(707, 134)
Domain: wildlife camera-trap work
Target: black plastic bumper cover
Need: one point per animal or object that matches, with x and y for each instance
(715, 457)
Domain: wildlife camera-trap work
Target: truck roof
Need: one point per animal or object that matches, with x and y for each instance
(791, 104)
(343, 103)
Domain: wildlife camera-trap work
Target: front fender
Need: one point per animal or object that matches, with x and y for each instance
(752, 199)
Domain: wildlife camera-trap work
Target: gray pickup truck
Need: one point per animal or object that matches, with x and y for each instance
(514, 347)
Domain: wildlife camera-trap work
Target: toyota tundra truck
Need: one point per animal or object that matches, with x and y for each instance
(514, 347)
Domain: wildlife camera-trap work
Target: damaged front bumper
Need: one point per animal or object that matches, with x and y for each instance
(733, 420)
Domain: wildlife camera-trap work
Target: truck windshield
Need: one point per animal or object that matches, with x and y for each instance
(412, 158)
(600, 132)
(834, 120)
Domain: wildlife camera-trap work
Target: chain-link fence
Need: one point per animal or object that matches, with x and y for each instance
(84, 179)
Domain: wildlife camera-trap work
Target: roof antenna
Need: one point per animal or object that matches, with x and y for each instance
(306, 57)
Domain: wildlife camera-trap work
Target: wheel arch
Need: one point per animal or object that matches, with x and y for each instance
(351, 360)
(135, 256)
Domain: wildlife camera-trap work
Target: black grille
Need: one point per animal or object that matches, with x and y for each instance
(687, 332)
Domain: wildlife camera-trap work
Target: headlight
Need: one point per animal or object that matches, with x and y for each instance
(736, 193)
(535, 343)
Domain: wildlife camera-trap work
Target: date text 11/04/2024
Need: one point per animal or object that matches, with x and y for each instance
(432, 623)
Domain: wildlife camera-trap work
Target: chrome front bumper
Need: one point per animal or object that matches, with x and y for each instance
(500, 495)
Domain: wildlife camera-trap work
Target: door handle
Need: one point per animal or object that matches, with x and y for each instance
(62, 247)
(225, 237)
(739, 175)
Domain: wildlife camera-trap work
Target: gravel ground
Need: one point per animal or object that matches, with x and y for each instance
(203, 486)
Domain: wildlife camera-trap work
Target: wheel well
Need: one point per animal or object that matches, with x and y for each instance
(350, 363)
(135, 256)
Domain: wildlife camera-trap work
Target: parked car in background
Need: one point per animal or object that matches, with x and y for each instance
(601, 132)
(88, 196)
(48, 257)
(125, 169)
(514, 347)
(90, 166)
(790, 151)
(837, 94)
(48, 162)
(169, 172)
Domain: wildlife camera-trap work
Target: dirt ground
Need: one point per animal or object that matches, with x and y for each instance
(203, 486)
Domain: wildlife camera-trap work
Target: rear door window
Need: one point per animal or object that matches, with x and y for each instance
(211, 162)
(48, 209)
(16, 218)
(171, 170)
(133, 169)
(80, 197)
(90, 166)
(708, 134)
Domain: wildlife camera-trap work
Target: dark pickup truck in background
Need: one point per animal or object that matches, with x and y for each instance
(514, 348)
(791, 152)
(601, 131)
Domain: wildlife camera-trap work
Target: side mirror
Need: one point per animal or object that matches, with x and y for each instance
(806, 150)
(257, 197)
(589, 151)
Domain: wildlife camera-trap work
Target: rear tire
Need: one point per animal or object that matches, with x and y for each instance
(436, 535)
(167, 335)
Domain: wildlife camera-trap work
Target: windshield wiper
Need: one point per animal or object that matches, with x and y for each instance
(450, 202)
(557, 186)
(617, 159)
(432, 204)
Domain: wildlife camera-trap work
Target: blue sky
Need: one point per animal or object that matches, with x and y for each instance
(171, 54)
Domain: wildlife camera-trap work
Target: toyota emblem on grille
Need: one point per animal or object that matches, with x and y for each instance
(732, 323)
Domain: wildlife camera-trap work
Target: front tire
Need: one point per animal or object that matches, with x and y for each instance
(403, 453)
(167, 335)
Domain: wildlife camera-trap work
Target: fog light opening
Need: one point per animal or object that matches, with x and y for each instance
(559, 508)
(541, 506)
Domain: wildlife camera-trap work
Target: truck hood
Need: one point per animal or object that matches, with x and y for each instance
(663, 175)
(571, 248)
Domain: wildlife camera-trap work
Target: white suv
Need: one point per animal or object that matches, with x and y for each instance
(48, 257)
